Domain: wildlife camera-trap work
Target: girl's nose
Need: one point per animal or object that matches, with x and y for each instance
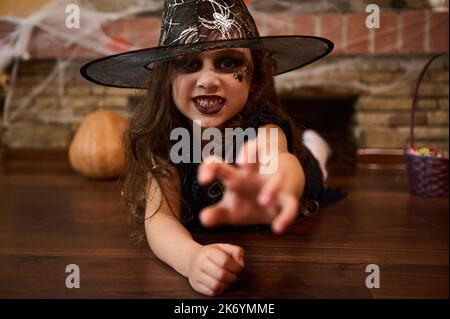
(208, 79)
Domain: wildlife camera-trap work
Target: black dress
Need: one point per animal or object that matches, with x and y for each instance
(195, 197)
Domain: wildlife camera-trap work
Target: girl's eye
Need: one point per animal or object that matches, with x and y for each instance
(229, 64)
(190, 66)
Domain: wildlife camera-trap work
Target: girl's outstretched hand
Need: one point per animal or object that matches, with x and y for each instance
(249, 197)
(212, 268)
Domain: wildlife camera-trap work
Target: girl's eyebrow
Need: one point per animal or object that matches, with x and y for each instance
(226, 52)
(232, 52)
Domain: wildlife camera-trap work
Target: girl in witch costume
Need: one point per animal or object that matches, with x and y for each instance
(212, 66)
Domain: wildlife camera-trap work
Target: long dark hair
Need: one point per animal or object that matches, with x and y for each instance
(147, 140)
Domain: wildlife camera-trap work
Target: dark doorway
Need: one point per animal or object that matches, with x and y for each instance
(331, 117)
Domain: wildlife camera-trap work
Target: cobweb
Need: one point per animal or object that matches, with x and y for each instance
(51, 20)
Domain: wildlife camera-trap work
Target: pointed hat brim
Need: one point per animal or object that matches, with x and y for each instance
(131, 69)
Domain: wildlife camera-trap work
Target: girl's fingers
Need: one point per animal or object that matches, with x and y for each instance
(203, 289)
(248, 155)
(219, 214)
(217, 272)
(214, 215)
(208, 171)
(224, 260)
(288, 214)
(209, 286)
(234, 251)
(267, 194)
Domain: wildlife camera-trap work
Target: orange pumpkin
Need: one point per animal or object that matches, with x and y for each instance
(97, 150)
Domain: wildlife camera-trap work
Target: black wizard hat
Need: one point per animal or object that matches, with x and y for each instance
(190, 26)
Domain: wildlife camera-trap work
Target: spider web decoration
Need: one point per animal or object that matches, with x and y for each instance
(188, 33)
(50, 20)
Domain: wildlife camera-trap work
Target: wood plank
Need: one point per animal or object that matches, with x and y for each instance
(51, 217)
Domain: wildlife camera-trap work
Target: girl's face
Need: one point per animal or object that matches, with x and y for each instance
(213, 86)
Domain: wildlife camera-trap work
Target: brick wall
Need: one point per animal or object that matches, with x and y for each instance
(404, 32)
(370, 58)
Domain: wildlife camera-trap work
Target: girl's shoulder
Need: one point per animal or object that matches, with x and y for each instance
(266, 116)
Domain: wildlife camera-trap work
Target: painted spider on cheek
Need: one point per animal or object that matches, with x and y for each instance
(244, 74)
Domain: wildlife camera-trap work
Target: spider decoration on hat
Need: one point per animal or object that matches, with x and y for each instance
(223, 21)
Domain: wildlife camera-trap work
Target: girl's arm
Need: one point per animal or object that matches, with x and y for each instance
(167, 237)
(288, 166)
(210, 268)
(288, 178)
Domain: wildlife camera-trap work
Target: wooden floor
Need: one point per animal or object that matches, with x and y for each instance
(51, 217)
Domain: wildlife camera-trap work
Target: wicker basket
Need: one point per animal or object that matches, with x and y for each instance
(427, 175)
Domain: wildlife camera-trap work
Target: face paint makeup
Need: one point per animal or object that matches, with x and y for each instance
(248, 74)
(238, 76)
(244, 74)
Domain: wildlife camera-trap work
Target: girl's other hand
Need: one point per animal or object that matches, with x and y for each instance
(249, 197)
(212, 268)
